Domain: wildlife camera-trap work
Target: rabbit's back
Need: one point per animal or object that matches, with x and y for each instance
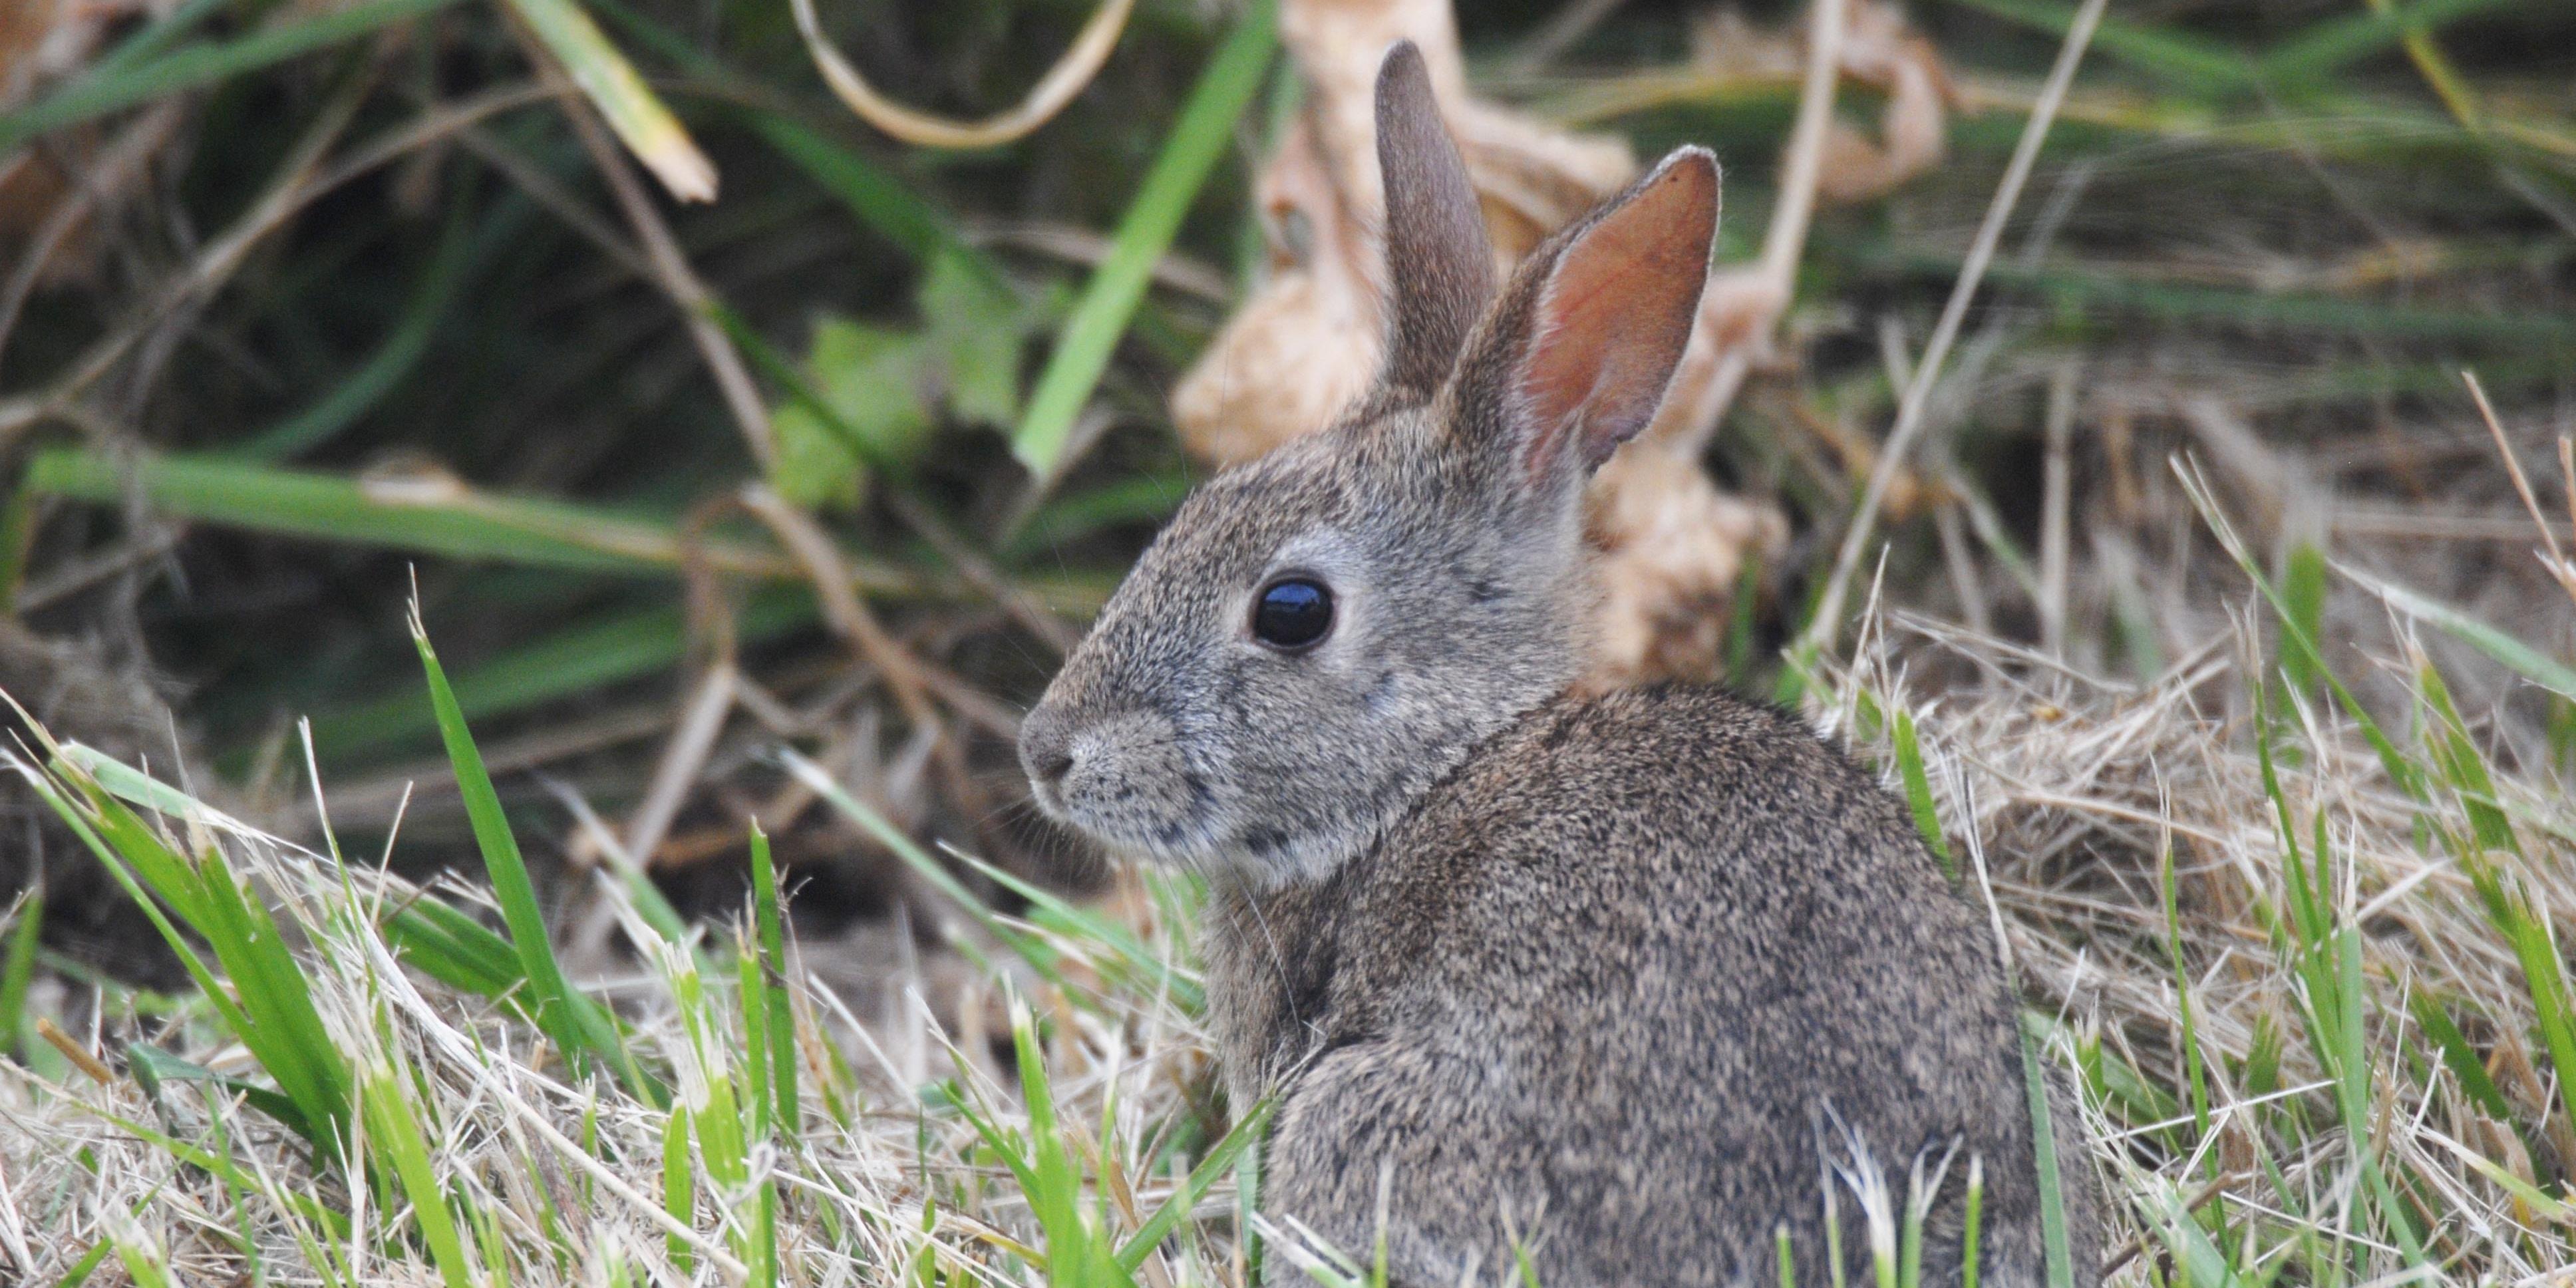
(1625, 964)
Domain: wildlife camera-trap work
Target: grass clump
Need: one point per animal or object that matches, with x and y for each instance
(392, 1085)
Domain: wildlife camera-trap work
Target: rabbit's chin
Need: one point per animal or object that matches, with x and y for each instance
(1259, 858)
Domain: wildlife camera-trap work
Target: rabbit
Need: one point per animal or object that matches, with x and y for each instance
(1604, 980)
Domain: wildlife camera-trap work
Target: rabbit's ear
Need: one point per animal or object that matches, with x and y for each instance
(1575, 359)
(1439, 265)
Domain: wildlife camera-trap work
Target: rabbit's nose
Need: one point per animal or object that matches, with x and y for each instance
(1046, 747)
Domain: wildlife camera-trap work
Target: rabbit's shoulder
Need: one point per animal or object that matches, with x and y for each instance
(1668, 787)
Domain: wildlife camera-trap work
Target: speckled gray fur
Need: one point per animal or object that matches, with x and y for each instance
(1589, 969)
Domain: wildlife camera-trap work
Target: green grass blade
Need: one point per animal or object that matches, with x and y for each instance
(2516, 656)
(679, 1186)
(881, 201)
(401, 351)
(153, 1067)
(2462, 1058)
(453, 948)
(781, 1017)
(1202, 133)
(1029, 948)
(394, 1131)
(2201, 67)
(2087, 293)
(597, 653)
(2303, 590)
(1918, 793)
(610, 83)
(2400, 770)
(1246, 1132)
(2334, 43)
(269, 1008)
(18, 514)
(1069, 518)
(431, 517)
(157, 36)
(2190, 1036)
(1055, 913)
(18, 969)
(580, 1027)
(88, 1265)
(195, 66)
(2052, 1195)
(2199, 1262)
(1971, 1233)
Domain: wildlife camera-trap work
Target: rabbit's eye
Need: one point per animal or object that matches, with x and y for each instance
(1292, 613)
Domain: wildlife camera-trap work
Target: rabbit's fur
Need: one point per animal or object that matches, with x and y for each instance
(1612, 978)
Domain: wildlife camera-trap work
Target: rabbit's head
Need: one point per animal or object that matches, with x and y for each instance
(1320, 634)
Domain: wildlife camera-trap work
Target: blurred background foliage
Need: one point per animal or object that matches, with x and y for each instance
(677, 390)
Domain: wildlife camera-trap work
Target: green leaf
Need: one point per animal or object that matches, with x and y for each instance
(979, 329)
(869, 379)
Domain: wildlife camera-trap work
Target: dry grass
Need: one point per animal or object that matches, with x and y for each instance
(2207, 616)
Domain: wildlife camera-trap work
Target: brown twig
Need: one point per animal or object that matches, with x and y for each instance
(1049, 96)
(671, 271)
(684, 757)
(846, 613)
(2559, 571)
(559, 201)
(979, 572)
(76, 1053)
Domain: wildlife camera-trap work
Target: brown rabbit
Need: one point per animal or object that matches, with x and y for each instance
(1605, 980)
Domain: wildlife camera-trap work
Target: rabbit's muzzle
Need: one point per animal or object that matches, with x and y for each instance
(1123, 777)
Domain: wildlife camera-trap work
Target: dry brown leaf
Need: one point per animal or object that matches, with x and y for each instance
(1305, 343)
(1673, 551)
(1878, 50)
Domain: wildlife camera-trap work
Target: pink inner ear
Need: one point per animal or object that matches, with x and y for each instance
(1615, 316)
